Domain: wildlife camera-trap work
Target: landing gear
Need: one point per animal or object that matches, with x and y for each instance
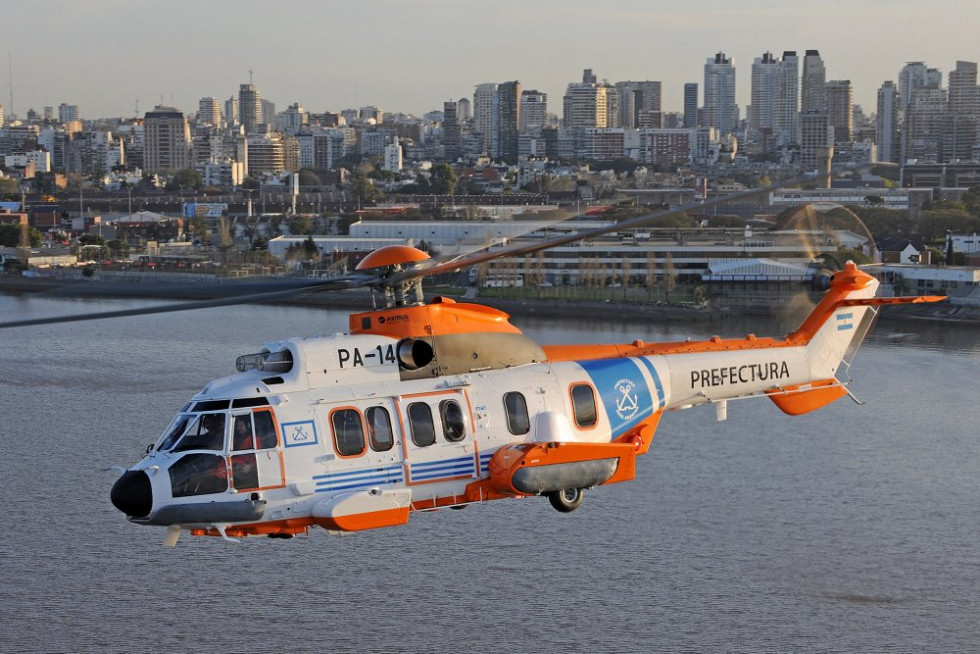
(567, 499)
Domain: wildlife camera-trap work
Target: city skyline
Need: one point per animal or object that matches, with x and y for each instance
(411, 57)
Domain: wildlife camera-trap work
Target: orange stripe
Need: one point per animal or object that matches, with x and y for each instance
(368, 520)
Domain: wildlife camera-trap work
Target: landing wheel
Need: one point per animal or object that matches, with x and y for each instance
(567, 499)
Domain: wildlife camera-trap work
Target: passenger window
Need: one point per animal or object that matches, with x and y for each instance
(583, 403)
(517, 420)
(265, 430)
(244, 473)
(420, 420)
(453, 425)
(379, 429)
(348, 432)
(206, 433)
(243, 437)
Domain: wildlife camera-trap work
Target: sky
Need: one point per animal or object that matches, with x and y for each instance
(111, 57)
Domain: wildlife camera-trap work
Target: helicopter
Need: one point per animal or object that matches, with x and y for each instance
(424, 405)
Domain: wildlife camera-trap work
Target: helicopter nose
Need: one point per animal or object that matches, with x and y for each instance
(132, 494)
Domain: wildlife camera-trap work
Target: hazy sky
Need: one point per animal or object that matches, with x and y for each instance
(104, 55)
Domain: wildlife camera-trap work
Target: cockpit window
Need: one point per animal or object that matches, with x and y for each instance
(207, 432)
(265, 430)
(199, 474)
(244, 402)
(177, 428)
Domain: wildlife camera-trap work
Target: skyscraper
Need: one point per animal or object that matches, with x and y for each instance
(786, 104)
(249, 107)
(765, 84)
(166, 140)
(534, 110)
(509, 120)
(67, 112)
(840, 109)
(485, 113)
(913, 75)
(639, 103)
(964, 97)
(691, 104)
(585, 105)
(720, 110)
(450, 131)
(209, 111)
(886, 129)
(813, 84)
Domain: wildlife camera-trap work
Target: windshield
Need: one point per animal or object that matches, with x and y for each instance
(206, 432)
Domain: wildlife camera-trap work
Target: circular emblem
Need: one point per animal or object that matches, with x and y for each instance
(627, 402)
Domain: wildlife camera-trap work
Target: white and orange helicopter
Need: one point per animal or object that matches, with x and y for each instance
(422, 406)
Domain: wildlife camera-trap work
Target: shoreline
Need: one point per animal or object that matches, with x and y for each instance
(361, 301)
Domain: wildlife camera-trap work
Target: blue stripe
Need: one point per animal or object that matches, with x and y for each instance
(845, 316)
(656, 380)
(322, 488)
(442, 475)
(442, 462)
(841, 328)
(467, 465)
(361, 471)
(623, 391)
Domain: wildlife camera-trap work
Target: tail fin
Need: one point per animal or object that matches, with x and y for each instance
(832, 333)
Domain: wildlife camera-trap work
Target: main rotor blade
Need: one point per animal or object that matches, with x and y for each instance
(338, 284)
(638, 221)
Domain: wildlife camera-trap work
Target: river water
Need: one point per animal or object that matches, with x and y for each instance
(852, 529)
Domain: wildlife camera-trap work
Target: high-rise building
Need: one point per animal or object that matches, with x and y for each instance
(231, 112)
(923, 124)
(964, 97)
(166, 140)
(913, 75)
(67, 112)
(249, 107)
(813, 83)
(886, 129)
(840, 109)
(816, 141)
(209, 112)
(765, 84)
(585, 106)
(464, 111)
(266, 154)
(691, 104)
(509, 120)
(450, 131)
(485, 113)
(639, 104)
(1, 114)
(720, 110)
(294, 119)
(786, 104)
(534, 110)
(588, 77)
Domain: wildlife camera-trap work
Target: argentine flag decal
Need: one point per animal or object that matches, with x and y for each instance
(845, 321)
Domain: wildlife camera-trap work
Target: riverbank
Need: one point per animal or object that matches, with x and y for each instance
(163, 288)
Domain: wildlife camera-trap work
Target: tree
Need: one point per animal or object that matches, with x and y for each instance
(187, 179)
(308, 178)
(874, 200)
(12, 236)
(443, 179)
(670, 276)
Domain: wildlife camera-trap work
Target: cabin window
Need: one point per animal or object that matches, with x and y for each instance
(517, 420)
(453, 424)
(198, 474)
(265, 430)
(379, 429)
(245, 402)
(420, 420)
(583, 404)
(207, 432)
(348, 432)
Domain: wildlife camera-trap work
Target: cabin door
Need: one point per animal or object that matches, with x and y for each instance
(439, 440)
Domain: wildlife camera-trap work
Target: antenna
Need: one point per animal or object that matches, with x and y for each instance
(137, 114)
(249, 75)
